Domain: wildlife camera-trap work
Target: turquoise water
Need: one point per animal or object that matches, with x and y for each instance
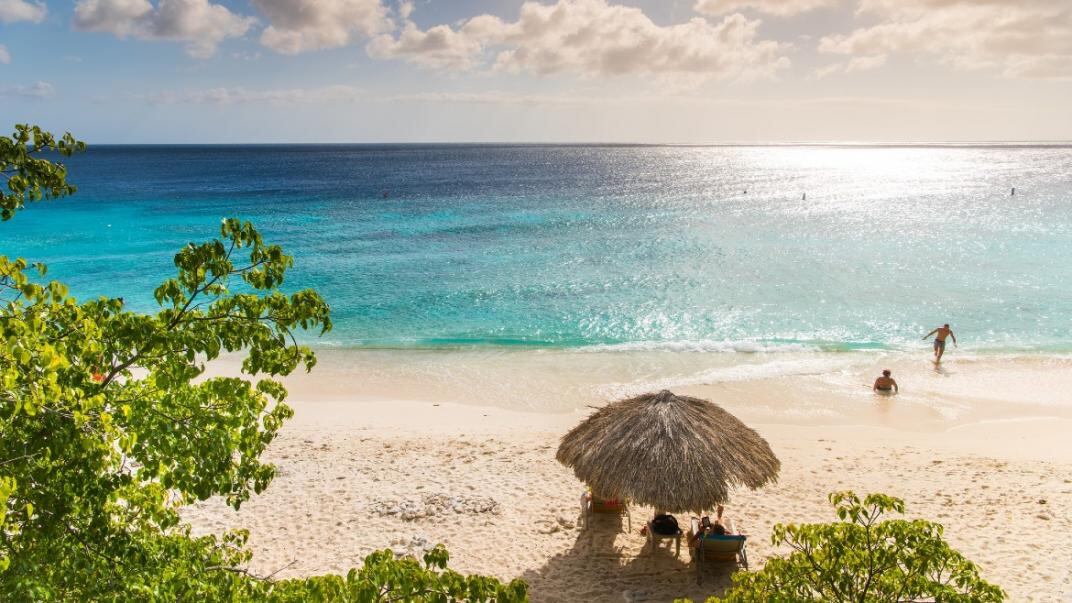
(624, 247)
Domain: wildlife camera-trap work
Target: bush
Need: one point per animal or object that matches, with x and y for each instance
(863, 560)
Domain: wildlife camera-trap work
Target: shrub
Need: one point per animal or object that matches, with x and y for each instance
(861, 559)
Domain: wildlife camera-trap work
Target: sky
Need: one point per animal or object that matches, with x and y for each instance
(646, 71)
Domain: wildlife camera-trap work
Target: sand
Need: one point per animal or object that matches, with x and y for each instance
(359, 471)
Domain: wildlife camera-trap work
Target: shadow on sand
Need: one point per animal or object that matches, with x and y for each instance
(606, 564)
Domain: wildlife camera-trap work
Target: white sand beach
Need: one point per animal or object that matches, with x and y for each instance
(980, 446)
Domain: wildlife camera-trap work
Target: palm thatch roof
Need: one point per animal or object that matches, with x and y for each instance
(674, 453)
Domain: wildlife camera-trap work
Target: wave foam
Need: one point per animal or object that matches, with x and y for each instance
(716, 346)
(729, 374)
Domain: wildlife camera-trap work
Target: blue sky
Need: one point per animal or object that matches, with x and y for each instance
(691, 71)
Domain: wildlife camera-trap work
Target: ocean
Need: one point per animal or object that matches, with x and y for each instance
(704, 249)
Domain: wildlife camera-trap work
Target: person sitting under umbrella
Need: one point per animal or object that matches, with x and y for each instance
(717, 528)
(664, 524)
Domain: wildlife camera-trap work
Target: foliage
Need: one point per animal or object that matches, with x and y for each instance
(382, 578)
(108, 425)
(862, 559)
(31, 178)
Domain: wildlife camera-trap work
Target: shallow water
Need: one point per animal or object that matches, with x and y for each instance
(607, 248)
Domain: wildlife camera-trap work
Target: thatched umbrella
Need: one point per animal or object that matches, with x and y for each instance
(672, 452)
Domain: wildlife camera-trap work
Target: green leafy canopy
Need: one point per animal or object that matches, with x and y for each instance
(861, 559)
(29, 176)
(108, 425)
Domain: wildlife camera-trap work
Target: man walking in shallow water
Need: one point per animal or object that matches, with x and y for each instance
(940, 335)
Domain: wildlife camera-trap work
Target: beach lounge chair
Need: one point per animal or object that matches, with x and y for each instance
(725, 548)
(654, 538)
(590, 503)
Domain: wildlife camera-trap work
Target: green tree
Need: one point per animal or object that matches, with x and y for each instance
(861, 559)
(29, 176)
(108, 425)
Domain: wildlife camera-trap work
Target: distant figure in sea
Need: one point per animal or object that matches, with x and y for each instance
(885, 385)
(941, 333)
(1013, 193)
(804, 197)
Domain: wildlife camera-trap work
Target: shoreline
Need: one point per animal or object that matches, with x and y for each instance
(710, 346)
(798, 388)
(1040, 438)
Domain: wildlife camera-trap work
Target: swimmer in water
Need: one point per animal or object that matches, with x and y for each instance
(885, 385)
(940, 335)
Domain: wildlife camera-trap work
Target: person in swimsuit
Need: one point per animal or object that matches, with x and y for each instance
(719, 527)
(940, 335)
(885, 384)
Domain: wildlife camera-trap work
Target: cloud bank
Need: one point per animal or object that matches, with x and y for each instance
(302, 25)
(201, 24)
(777, 8)
(242, 96)
(589, 38)
(1018, 38)
(21, 10)
(597, 38)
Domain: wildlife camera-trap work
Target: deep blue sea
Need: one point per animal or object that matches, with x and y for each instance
(700, 248)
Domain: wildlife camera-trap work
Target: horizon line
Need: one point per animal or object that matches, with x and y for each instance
(829, 143)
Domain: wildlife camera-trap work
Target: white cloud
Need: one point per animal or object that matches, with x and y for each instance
(438, 46)
(301, 25)
(590, 38)
(119, 17)
(1019, 38)
(21, 10)
(855, 64)
(34, 90)
(350, 94)
(828, 70)
(5, 56)
(865, 63)
(345, 94)
(242, 96)
(778, 8)
(199, 23)
(497, 98)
